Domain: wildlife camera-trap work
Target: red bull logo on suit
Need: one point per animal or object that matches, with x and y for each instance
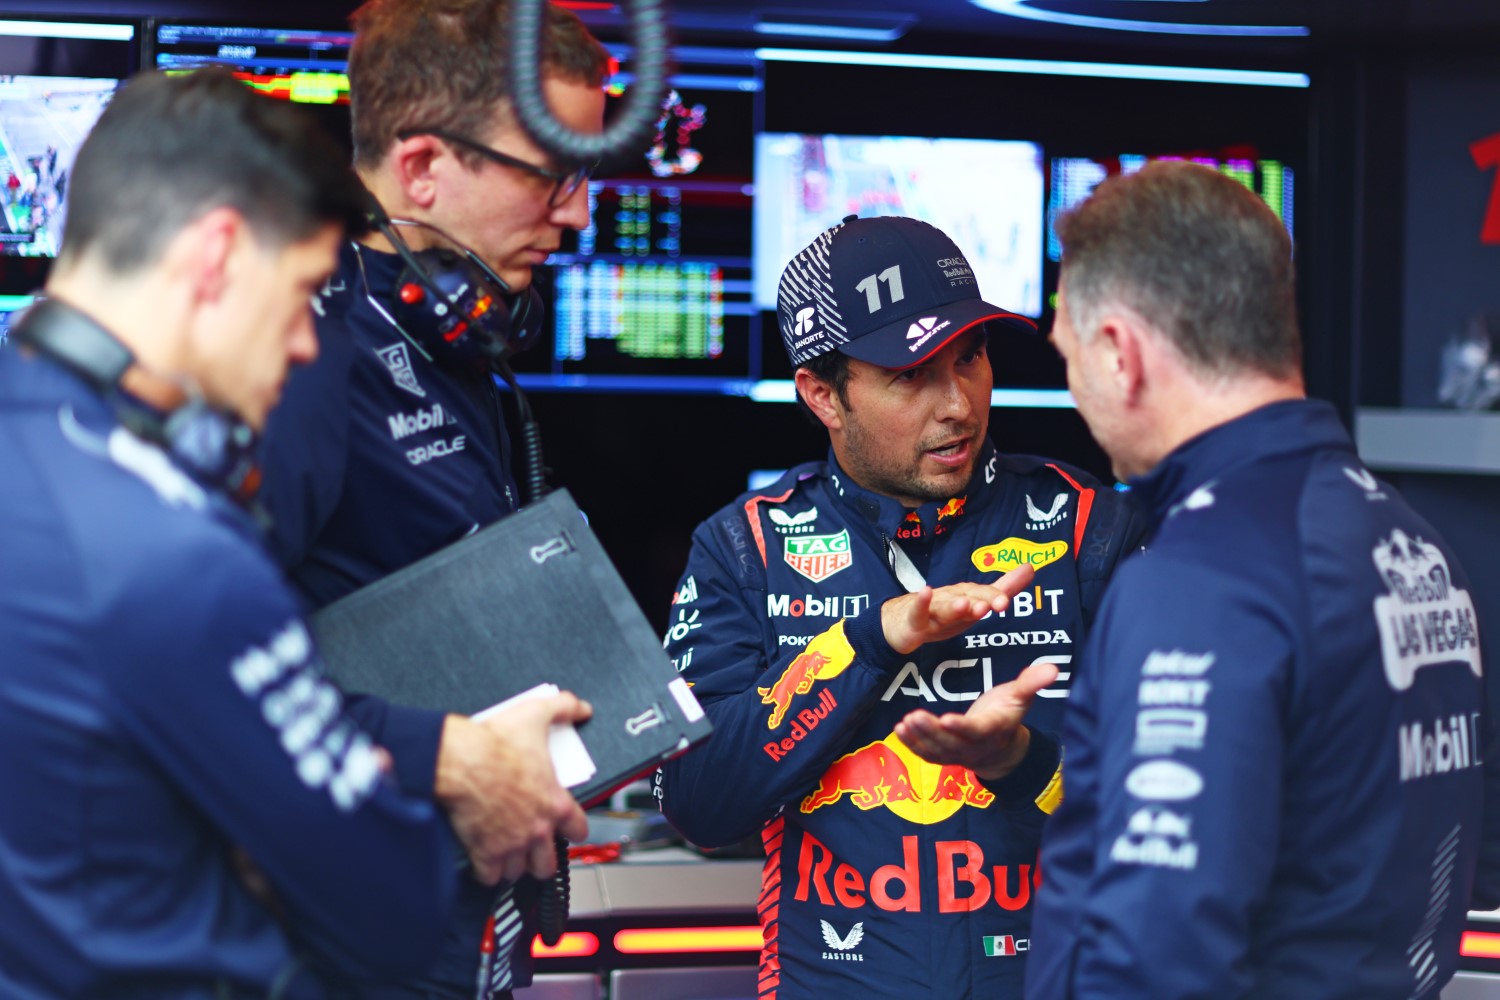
(887, 773)
(953, 508)
(826, 656)
(963, 884)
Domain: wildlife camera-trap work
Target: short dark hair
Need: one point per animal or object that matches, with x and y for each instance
(441, 64)
(168, 149)
(1197, 254)
(831, 367)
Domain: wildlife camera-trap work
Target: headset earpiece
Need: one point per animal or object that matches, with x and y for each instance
(455, 306)
(528, 317)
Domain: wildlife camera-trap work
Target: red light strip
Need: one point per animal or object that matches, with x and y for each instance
(584, 4)
(1479, 944)
(574, 944)
(672, 940)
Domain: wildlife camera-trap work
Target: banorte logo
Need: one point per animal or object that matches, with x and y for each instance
(803, 321)
(826, 656)
(887, 773)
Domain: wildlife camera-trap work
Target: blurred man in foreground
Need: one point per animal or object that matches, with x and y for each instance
(186, 808)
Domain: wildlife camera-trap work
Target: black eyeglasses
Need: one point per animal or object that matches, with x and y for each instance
(563, 184)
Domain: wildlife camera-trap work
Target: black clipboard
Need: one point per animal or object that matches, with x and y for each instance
(531, 599)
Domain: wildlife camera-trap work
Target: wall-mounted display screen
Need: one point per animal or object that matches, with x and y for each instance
(305, 65)
(672, 288)
(659, 284)
(655, 295)
(1073, 178)
(43, 121)
(806, 183)
(56, 77)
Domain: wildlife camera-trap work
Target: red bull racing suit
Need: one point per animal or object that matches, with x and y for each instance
(884, 874)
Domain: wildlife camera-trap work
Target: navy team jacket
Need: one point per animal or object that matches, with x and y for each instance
(1278, 750)
(886, 876)
(374, 459)
(162, 705)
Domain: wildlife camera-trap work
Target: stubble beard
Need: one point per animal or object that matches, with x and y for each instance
(907, 485)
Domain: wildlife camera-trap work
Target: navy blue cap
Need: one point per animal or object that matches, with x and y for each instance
(891, 291)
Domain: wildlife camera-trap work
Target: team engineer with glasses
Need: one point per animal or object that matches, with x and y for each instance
(385, 451)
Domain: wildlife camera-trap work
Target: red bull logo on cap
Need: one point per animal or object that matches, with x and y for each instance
(826, 656)
(887, 773)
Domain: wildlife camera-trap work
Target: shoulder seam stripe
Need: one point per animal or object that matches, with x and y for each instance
(752, 513)
(1085, 507)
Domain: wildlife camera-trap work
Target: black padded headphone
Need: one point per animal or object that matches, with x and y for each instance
(214, 446)
(461, 313)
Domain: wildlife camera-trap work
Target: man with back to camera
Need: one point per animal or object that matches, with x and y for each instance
(186, 809)
(820, 617)
(1277, 742)
(382, 453)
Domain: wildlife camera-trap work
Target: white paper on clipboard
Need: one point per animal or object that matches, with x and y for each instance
(570, 758)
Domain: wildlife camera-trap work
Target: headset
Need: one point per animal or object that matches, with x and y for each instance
(453, 305)
(214, 446)
(458, 312)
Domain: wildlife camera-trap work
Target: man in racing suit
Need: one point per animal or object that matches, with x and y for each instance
(808, 623)
(1280, 756)
(382, 452)
(187, 810)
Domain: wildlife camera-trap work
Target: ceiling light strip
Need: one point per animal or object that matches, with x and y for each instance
(785, 391)
(849, 32)
(1041, 67)
(1023, 9)
(68, 29)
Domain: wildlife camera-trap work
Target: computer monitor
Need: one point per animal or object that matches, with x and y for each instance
(655, 295)
(306, 65)
(56, 77)
(806, 183)
(1073, 178)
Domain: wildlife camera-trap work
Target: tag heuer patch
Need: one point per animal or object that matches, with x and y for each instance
(818, 557)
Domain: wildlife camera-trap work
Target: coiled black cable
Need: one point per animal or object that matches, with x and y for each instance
(636, 124)
(552, 907)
